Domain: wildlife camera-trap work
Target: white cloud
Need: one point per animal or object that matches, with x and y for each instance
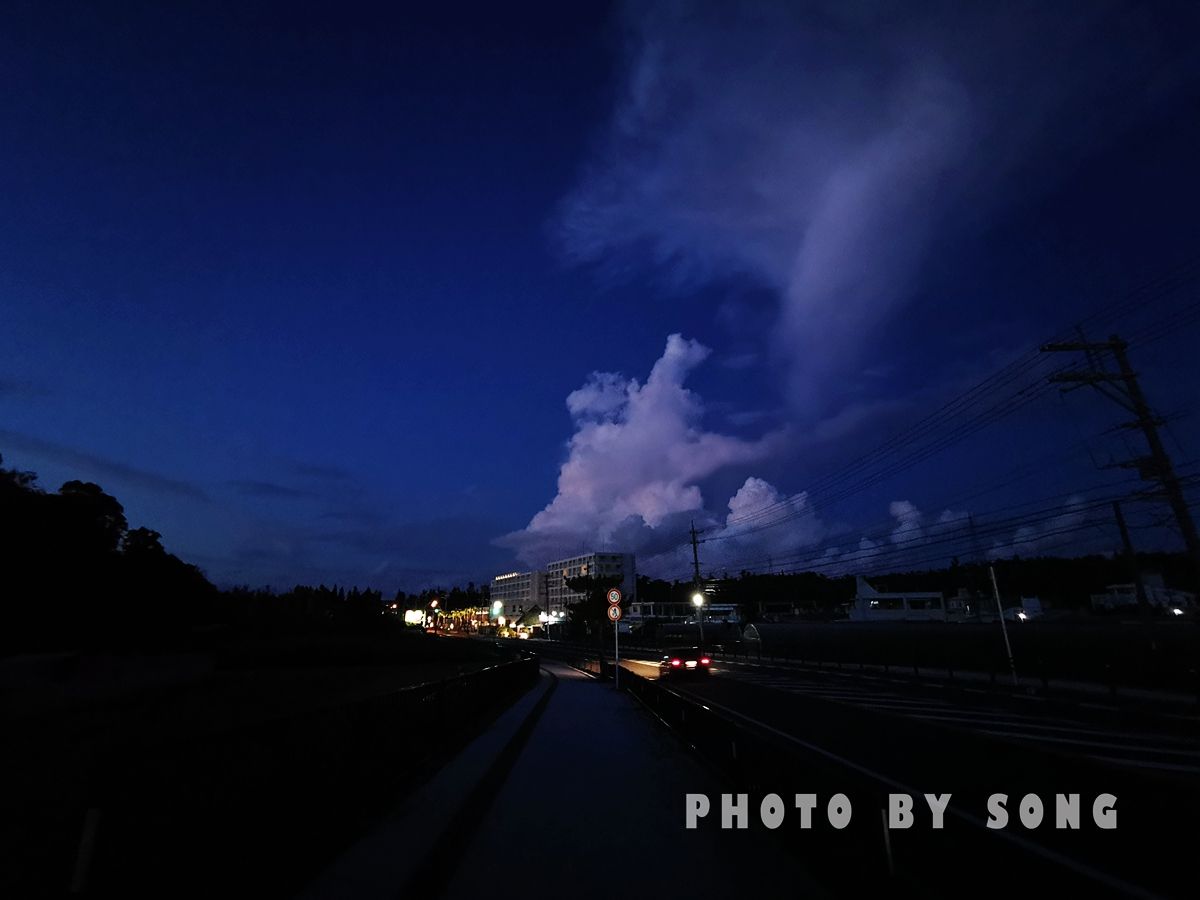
(911, 539)
(762, 528)
(1052, 534)
(635, 462)
(908, 522)
(822, 149)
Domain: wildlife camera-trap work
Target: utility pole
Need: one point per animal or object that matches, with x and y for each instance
(1122, 387)
(1012, 666)
(973, 580)
(1131, 555)
(696, 592)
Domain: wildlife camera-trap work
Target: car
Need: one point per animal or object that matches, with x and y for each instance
(683, 661)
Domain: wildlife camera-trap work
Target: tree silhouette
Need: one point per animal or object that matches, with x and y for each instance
(593, 608)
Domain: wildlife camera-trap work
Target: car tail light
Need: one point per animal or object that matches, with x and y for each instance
(704, 660)
(677, 662)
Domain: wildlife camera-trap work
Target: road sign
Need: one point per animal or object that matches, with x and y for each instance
(614, 597)
(614, 613)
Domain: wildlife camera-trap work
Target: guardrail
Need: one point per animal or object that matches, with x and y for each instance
(1178, 686)
(269, 801)
(866, 857)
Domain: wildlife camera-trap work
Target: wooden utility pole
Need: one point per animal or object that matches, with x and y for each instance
(1122, 387)
(1131, 555)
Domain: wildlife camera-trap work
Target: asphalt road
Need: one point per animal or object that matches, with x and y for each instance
(918, 739)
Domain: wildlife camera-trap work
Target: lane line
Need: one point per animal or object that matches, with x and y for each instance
(1061, 740)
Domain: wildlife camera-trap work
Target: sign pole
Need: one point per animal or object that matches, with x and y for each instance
(616, 659)
(614, 614)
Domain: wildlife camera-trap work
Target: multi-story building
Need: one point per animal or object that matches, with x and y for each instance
(518, 592)
(617, 568)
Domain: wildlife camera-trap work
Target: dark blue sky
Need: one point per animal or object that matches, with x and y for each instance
(307, 286)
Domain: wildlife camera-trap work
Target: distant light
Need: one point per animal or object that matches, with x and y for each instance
(1022, 616)
(500, 621)
(698, 599)
(413, 617)
(1176, 611)
(395, 606)
(497, 606)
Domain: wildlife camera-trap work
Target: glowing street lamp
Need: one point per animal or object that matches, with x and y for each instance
(698, 602)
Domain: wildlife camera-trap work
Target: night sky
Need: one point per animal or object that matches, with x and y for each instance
(409, 295)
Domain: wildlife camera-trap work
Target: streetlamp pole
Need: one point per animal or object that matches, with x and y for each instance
(697, 596)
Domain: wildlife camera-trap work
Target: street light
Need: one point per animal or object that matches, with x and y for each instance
(698, 602)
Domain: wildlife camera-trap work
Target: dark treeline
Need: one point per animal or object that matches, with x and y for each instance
(301, 604)
(73, 572)
(1061, 582)
(323, 604)
(454, 598)
(74, 575)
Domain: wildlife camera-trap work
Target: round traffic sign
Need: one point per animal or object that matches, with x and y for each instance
(614, 596)
(614, 613)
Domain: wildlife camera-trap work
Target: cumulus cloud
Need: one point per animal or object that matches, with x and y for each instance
(1046, 536)
(635, 462)
(763, 526)
(908, 528)
(823, 149)
(633, 481)
(912, 538)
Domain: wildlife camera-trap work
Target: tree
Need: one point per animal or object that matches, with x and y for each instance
(15, 480)
(92, 518)
(594, 605)
(142, 540)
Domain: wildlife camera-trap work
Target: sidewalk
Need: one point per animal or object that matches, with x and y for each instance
(592, 807)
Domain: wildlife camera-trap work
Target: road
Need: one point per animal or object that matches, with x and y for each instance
(921, 739)
(1166, 742)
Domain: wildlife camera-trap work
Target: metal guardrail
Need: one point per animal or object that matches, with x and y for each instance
(993, 673)
(755, 758)
(259, 797)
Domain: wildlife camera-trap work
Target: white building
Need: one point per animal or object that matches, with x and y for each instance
(870, 605)
(518, 592)
(1158, 595)
(617, 568)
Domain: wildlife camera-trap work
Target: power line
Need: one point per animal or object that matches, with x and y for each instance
(939, 429)
(818, 554)
(1139, 298)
